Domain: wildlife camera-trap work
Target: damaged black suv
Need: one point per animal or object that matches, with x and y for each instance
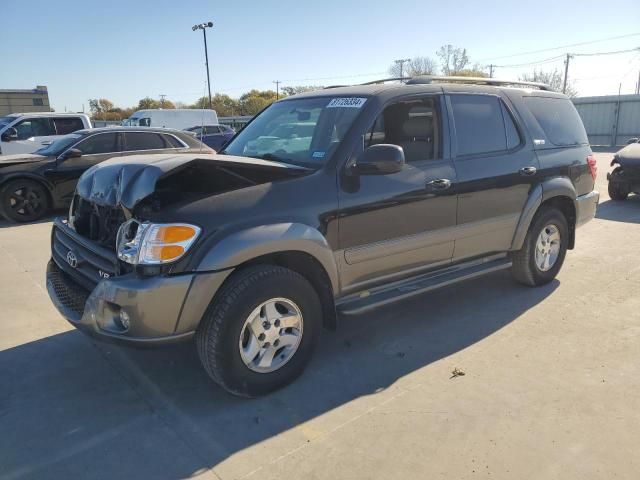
(333, 202)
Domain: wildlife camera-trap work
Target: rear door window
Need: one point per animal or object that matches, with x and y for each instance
(34, 127)
(100, 143)
(478, 123)
(144, 141)
(68, 125)
(559, 120)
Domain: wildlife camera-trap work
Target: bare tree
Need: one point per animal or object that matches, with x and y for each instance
(452, 59)
(414, 67)
(553, 78)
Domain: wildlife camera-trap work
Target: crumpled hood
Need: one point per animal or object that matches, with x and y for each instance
(125, 182)
(7, 160)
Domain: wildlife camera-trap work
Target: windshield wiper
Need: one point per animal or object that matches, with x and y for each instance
(275, 158)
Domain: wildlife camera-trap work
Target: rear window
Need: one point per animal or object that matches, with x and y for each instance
(559, 119)
(67, 125)
(144, 141)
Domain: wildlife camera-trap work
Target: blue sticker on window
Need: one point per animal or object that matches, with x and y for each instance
(318, 154)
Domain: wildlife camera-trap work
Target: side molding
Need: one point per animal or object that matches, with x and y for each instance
(245, 245)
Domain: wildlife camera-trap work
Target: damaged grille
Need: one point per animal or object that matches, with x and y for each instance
(96, 222)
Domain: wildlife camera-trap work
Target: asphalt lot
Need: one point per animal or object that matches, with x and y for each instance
(551, 386)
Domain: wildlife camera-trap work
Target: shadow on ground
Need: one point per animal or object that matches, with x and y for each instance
(72, 408)
(626, 211)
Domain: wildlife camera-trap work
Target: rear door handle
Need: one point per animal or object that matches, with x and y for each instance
(528, 171)
(439, 184)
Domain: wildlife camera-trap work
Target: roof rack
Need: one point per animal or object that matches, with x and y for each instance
(427, 79)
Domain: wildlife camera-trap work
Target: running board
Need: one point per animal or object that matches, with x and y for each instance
(376, 297)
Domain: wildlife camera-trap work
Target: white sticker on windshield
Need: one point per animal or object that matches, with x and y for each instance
(318, 154)
(346, 102)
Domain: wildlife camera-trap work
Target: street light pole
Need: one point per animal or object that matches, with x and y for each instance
(203, 27)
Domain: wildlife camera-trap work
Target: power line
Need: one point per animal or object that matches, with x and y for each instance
(637, 49)
(561, 47)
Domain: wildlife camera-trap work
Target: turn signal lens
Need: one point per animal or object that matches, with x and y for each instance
(153, 243)
(175, 233)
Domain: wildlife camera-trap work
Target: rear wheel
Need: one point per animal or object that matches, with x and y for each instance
(260, 330)
(545, 246)
(24, 200)
(617, 189)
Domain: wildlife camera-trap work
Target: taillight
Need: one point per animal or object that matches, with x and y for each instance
(593, 166)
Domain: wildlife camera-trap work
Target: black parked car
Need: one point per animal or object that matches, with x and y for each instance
(32, 184)
(214, 136)
(384, 192)
(625, 178)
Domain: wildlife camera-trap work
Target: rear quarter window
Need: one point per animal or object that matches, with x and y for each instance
(559, 120)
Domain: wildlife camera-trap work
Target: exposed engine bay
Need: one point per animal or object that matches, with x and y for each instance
(112, 193)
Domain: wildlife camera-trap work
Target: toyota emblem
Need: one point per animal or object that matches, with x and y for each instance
(72, 260)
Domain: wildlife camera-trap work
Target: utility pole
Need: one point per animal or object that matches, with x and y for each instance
(277, 82)
(203, 27)
(491, 70)
(566, 73)
(162, 95)
(638, 84)
(401, 62)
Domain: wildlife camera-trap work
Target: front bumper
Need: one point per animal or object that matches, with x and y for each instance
(161, 310)
(586, 206)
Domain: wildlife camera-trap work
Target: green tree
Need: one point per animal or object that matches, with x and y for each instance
(255, 100)
(148, 103)
(99, 107)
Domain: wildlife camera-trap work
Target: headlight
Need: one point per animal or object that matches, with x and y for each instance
(154, 243)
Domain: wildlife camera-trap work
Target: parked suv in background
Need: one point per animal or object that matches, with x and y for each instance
(33, 183)
(28, 132)
(395, 190)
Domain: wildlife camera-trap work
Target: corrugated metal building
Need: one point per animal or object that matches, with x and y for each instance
(610, 120)
(17, 101)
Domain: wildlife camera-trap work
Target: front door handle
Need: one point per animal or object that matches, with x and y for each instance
(528, 171)
(439, 184)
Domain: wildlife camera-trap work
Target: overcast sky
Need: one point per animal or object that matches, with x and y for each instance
(125, 50)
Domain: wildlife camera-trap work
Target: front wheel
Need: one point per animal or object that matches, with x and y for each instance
(544, 249)
(260, 330)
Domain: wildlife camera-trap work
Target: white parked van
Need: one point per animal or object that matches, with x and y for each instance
(178, 118)
(28, 132)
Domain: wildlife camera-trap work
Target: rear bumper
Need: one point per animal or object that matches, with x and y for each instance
(161, 310)
(586, 206)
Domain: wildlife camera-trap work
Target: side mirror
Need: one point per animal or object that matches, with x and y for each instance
(381, 159)
(10, 134)
(71, 153)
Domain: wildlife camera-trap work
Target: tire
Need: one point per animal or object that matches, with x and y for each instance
(24, 200)
(617, 189)
(525, 268)
(223, 330)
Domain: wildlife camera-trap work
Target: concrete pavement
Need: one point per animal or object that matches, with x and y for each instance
(551, 386)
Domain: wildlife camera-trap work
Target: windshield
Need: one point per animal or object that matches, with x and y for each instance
(60, 145)
(4, 121)
(303, 132)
